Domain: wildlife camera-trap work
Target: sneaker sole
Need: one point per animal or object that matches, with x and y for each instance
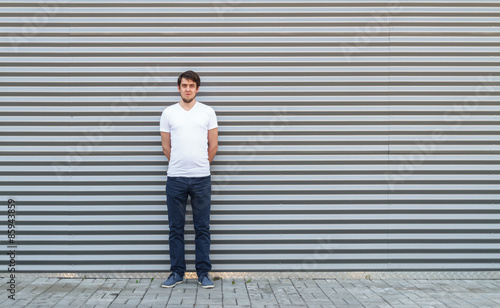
(206, 287)
(178, 282)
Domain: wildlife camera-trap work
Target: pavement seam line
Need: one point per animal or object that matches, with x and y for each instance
(326, 295)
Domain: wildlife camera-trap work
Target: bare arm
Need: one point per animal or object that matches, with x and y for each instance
(165, 144)
(213, 143)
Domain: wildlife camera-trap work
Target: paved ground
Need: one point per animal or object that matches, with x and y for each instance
(71, 292)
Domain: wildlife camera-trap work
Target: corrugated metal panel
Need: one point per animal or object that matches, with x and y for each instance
(354, 135)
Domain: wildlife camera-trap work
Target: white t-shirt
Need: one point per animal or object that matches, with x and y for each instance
(189, 138)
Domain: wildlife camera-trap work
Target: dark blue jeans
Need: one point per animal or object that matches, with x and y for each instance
(178, 189)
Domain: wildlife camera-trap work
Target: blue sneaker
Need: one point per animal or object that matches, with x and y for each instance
(173, 280)
(205, 282)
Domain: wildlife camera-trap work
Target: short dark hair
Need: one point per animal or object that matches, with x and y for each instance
(189, 75)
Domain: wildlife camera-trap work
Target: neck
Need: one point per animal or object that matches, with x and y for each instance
(187, 106)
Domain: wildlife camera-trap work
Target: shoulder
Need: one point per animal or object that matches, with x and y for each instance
(205, 107)
(170, 109)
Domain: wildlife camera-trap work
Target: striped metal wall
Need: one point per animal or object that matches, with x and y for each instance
(354, 135)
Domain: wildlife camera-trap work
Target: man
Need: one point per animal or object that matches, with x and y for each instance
(189, 138)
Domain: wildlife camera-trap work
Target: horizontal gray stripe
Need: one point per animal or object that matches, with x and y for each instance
(254, 4)
(246, 14)
(221, 253)
(258, 163)
(251, 143)
(260, 182)
(428, 133)
(251, 34)
(263, 172)
(264, 242)
(253, 44)
(217, 23)
(260, 232)
(262, 123)
(215, 211)
(383, 64)
(365, 262)
(261, 102)
(169, 85)
(311, 93)
(274, 222)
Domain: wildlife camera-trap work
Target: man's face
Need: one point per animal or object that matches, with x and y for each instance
(188, 90)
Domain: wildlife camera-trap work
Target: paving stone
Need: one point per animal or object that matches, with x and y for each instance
(81, 293)
(20, 283)
(55, 293)
(286, 294)
(261, 293)
(184, 294)
(31, 291)
(106, 293)
(155, 296)
(5, 286)
(311, 292)
(132, 294)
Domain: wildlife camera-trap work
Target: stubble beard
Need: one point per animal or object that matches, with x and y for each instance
(187, 101)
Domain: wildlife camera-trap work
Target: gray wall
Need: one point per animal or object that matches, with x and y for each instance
(354, 136)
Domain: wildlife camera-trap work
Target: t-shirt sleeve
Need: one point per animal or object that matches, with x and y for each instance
(164, 125)
(212, 121)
